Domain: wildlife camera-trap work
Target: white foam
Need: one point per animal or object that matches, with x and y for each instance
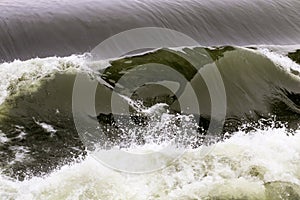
(3, 138)
(280, 60)
(21, 154)
(21, 131)
(46, 127)
(25, 73)
(235, 168)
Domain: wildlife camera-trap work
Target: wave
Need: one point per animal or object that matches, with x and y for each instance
(231, 102)
(42, 29)
(37, 129)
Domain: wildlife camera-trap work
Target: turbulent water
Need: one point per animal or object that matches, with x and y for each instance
(255, 47)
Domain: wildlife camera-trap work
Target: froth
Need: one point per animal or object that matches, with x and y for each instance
(247, 166)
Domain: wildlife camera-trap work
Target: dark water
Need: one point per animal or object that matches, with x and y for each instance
(78, 26)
